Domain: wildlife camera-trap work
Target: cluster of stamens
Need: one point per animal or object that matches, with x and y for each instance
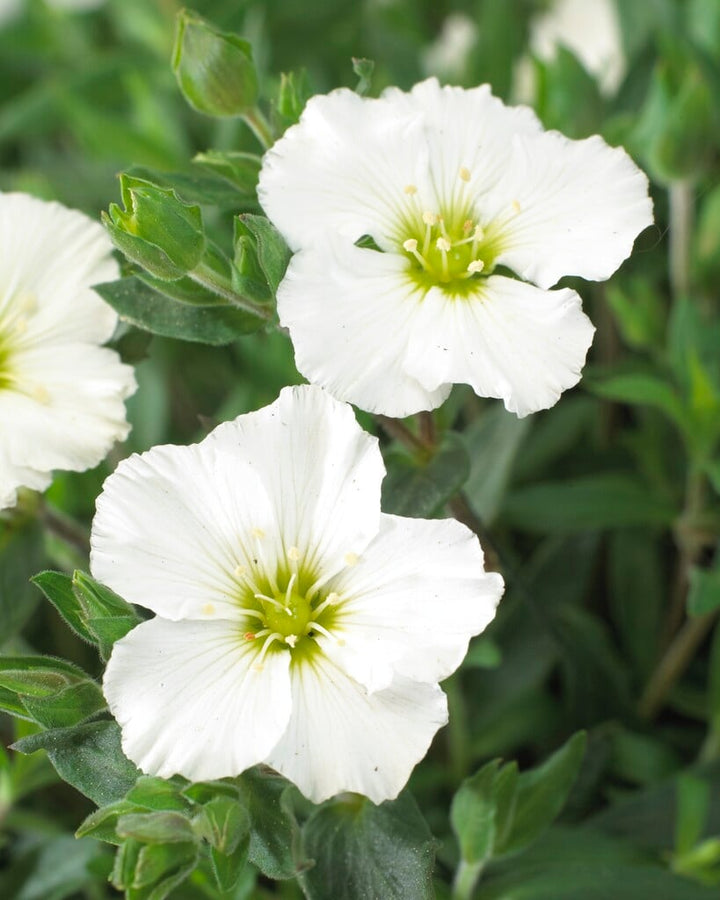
(290, 606)
(14, 323)
(446, 249)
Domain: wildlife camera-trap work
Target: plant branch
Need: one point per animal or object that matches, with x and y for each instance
(682, 208)
(66, 530)
(260, 127)
(207, 277)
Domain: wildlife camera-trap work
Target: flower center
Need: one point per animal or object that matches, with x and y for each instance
(447, 248)
(288, 602)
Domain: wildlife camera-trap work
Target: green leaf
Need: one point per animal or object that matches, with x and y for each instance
(261, 257)
(152, 871)
(98, 600)
(214, 69)
(704, 592)
(293, 94)
(156, 828)
(362, 850)
(59, 591)
(643, 390)
(421, 488)
(481, 802)
(101, 824)
(273, 829)
(67, 707)
(541, 794)
(228, 867)
(693, 805)
(605, 500)
(239, 168)
(140, 305)
(21, 554)
(224, 822)
(364, 69)
(157, 794)
(89, 757)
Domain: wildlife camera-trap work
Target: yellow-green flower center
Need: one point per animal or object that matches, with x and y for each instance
(447, 247)
(290, 614)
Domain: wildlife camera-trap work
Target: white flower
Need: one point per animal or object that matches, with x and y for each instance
(61, 393)
(296, 624)
(456, 189)
(591, 30)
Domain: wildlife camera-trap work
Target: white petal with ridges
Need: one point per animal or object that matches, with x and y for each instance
(342, 169)
(191, 700)
(341, 738)
(350, 314)
(321, 471)
(568, 207)
(172, 527)
(412, 603)
(511, 340)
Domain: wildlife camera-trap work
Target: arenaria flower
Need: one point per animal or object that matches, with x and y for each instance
(61, 393)
(296, 625)
(428, 228)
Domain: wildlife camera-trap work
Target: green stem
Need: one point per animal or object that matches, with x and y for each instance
(457, 733)
(466, 877)
(260, 127)
(66, 529)
(206, 276)
(682, 204)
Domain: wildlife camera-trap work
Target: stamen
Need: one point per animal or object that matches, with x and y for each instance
(444, 245)
(258, 533)
(351, 559)
(325, 632)
(410, 189)
(253, 613)
(249, 636)
(270, 639)
(516, 206)
(315, 587)
(273, 602)
(467, 226)
(429, 218)
(478, 235)
(288, 592)
(477, 265)
(464, 173)
(291, 640)
(240, 570)
(330, 600)
(209, 609)
(411, 246)
(293, 554)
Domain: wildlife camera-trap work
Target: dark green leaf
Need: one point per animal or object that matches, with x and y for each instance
(474, 811)
(704, 592)
(66, 707)
(541, 794)
(643, 389)
(594, 501)
(273, 828)
(228, 867)
(89, 757)
(224, 822)
(240, 169)
(261, 257)
(139, 304)
(156, 828)
(420, 488)
(362, 850)
(101, 824)
(157, 794)
(21, 554)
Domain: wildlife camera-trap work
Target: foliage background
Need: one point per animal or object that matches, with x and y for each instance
(602, 511)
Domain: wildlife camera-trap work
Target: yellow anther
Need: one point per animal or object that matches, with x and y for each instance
(293, 554)
(351, 559)
(477, 265)
(429, 218)
(258, 533)
(478, 234)
(516, 206)
(208, 609)
(410, 189)
(240, 570)
(410, 245)
(291, 640)
(467, 226)
(464, 173)
(249, 635)
(443, 244)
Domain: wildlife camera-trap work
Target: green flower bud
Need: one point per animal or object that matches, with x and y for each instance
(156, 229)
(214, 69)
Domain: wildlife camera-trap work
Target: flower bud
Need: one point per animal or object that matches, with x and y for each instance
(214, 69)
(156, 229)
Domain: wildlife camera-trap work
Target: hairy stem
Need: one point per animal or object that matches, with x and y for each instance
(207, 277)
(260, 127)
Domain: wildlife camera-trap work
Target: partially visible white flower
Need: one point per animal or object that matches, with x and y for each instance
(448, 54)
(477, 212)
(296, 624)
(9, 10)
(61, 393)
(588, 28)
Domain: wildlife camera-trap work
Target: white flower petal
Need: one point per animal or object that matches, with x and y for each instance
(464, 130)
(568, 208)
(191, 700)
(51, 256)
(511, 341)
(340, 738)
(349, 312)
(67, 410)
(323, 177)
(322, 472)
(173, 525)
(412, 603)
(13, 477)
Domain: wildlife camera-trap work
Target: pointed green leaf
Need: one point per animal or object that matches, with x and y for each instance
(59, 591)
